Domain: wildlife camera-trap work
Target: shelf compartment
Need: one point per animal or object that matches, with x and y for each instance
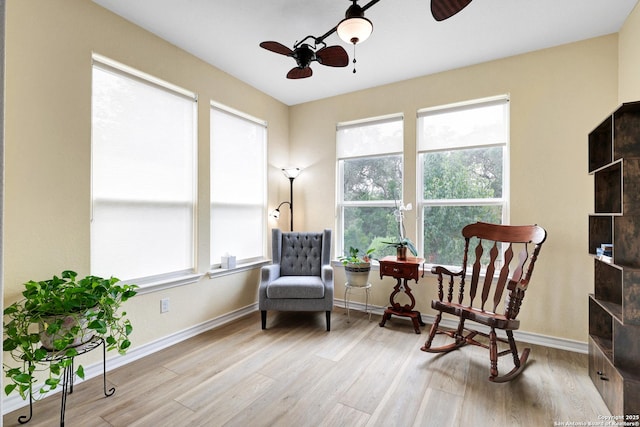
(601, 314)
(626, 128)
(626, 347)
(617, 290)
(601, 145)
(600, 231)
(626, 236)
(631, 298)
(608, 189)
(608, 282)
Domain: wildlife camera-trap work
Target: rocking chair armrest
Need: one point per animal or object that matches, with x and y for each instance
(522, 285)
(440, 270)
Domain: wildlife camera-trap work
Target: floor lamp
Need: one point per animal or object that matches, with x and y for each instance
(291, 173)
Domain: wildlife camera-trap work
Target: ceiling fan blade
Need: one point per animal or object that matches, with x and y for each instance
(299, 73)
(333, 56)
(277, 48)
(443, 9)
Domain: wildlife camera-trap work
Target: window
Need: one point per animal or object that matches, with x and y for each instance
(463, 164)
(238, 185)
(143, 174)
(370, 165)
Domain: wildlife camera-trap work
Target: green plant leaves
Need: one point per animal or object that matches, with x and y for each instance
(80, 372)
(40, 354)
(125, 345)
(94, 298)
(100, 326)
(22, 378)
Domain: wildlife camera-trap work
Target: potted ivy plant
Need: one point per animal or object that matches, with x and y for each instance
(357, 267)
(43, 330)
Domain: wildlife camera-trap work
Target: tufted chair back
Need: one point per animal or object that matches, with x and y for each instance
(301, 254)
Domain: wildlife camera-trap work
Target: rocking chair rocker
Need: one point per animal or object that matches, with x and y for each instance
(489, 237)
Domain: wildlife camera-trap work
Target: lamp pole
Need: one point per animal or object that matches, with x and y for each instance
(291, 200)
(291, 173)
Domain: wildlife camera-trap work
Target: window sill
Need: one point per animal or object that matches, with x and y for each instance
(162, 283)
(219, 272)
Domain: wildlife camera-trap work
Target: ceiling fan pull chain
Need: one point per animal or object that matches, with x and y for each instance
(354, 58)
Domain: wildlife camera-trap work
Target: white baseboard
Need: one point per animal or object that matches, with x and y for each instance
(521, 336)
(14, 402)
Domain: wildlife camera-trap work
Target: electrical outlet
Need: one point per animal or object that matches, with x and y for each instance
(164, 305)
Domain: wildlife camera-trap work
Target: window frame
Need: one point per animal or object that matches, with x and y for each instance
(341, 203)
(503, 201)
(188, 275)
(241, 263)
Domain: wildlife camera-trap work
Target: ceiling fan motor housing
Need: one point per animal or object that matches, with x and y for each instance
(304, 55)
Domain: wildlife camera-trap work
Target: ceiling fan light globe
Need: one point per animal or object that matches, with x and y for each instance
(355, 30)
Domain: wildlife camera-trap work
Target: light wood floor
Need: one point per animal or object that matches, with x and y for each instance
(297, 374)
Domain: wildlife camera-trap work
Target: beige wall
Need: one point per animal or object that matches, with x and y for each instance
(629, 58)
(48, 136)
(557, 95)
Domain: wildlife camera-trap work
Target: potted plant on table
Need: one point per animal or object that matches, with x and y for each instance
(357, 267)
(43, 330)
(403, 242)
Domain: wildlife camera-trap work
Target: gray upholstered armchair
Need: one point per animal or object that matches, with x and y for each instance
(300, 277)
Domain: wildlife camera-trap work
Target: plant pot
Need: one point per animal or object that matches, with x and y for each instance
(69, 322)
(401, 253)
(357, 273)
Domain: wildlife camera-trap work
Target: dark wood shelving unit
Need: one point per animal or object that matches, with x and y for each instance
(614, 307)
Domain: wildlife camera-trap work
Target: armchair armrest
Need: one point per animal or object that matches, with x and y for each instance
(327, 278)
(269, 273)
(327, 273)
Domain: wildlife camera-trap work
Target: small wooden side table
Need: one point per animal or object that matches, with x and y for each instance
(403, 271)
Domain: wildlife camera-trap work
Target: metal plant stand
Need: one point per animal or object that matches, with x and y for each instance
(67, 377)
(348, 289)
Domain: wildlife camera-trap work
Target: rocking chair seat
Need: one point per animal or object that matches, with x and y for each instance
(494, 320)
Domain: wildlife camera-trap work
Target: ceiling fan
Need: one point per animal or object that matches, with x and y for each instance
(333, 56)
(354, 28)
(304, 54)
(444, 9)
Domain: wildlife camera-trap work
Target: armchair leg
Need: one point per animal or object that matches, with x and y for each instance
(328, 321)
(263, 315)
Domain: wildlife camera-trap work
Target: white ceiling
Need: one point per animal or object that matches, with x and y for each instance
(406, 41)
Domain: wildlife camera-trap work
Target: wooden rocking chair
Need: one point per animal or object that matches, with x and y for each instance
(512, 270)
